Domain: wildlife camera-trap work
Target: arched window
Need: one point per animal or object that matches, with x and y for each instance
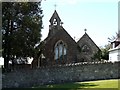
(60, 51)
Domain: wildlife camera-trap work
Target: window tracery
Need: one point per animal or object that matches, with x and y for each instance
(60, 51)
(86, 49)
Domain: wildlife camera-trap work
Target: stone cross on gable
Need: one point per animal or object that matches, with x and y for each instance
(85, 30)
(55, 6)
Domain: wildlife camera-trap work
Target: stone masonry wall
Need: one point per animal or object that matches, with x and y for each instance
(60, 74)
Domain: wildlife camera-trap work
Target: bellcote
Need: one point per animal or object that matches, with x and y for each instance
(55, 23)
(55, 19)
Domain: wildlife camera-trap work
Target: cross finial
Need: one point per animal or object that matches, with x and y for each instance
(85, 30)
(55, 6)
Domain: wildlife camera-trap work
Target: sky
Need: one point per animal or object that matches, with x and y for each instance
(99, 17)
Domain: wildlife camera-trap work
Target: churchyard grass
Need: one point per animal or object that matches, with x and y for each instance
(113, 83)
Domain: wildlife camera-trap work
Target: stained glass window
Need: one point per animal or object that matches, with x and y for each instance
(60, 51)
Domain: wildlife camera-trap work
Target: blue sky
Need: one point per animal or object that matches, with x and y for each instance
(99, 17)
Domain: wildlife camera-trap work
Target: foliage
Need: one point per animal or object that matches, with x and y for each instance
(105, 52)
(105, 49)
(110, 39)
(39, 49)
(97, 55)
(21, 28)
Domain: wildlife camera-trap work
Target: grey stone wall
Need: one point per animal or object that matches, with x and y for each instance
(59, 74)
(0, 77)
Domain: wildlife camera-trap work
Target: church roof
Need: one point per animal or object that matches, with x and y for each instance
(86, 35)
(59, 30)
(118, 46)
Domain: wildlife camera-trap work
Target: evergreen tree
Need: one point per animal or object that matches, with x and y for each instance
(21, 29)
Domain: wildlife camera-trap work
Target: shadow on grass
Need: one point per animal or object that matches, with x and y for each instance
(69, 86)
(66, 86)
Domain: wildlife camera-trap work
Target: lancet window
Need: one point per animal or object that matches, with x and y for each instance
(60, 51)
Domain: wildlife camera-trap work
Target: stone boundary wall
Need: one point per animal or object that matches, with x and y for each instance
(60, 74)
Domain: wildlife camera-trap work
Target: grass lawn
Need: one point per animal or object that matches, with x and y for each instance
(114, 83)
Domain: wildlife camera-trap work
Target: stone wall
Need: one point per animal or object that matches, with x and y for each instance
(59, 74)
(0, 77)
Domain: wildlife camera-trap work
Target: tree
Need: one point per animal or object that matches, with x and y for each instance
(105, 49)
(110, 39)
(21, 28)
(105, 52)
(97, 55)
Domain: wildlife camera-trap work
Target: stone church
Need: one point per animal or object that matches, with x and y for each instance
(61, 48)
